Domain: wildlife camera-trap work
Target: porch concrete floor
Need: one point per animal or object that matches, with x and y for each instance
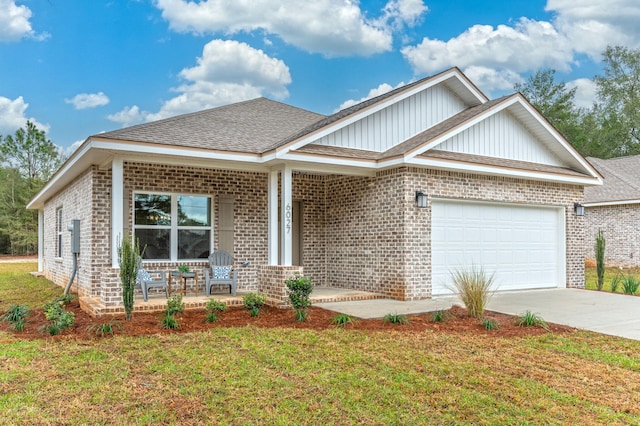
(157, 301)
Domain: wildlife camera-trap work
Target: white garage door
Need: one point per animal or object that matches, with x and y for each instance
(523, 245)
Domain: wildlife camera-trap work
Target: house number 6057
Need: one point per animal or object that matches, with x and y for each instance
(287, 216)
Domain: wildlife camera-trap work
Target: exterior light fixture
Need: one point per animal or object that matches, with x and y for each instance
(421, 199)
(579, 209)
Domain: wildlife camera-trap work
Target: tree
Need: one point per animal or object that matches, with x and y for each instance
(556, 102)
(28, 160)
(30, 152)
(619, 97)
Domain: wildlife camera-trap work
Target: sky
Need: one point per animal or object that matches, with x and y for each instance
(81, 67)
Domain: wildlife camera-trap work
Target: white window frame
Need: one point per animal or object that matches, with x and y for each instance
(59, 233)
(174, 227)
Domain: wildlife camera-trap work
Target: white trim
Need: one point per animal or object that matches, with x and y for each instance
(611, 203)
(40, 240)
(117, 219)
(286, 236)
(273, 217)
(497, 171)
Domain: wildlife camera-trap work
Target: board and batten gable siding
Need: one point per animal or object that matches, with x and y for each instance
(501, 135)
(398, 122)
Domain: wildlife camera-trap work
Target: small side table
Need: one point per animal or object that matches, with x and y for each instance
(182, 281)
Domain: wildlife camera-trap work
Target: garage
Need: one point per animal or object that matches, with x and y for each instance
(522, 244)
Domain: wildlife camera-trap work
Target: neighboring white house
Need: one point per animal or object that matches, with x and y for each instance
(337, 197)
(614, 208)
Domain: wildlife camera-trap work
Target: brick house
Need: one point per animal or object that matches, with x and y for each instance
(385, 196)
(614, 208)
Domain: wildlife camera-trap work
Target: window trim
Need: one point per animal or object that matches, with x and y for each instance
(59, 232)
(174, 227)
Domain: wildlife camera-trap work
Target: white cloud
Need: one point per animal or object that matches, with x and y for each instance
(591, 25)
(527, 45)
(489, 79)
(228, 71)
(72, 148)
(330, 27)
(128, 115)
(14, 22)
(12, 116)
(377, 91)
(88, 100)
(586, 92)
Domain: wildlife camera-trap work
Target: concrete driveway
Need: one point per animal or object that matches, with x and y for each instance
(602, 312)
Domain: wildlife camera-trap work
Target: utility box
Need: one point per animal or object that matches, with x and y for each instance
(74, 228)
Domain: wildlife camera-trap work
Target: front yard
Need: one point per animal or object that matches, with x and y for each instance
(251, 375)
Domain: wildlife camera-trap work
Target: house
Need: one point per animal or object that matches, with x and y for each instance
(614, 208)
(386, 196)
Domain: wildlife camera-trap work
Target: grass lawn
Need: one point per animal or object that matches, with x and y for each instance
(591, 277)
(249, 375)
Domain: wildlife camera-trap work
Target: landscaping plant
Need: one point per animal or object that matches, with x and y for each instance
(16, 315)
(299, 289)
(438, 316)
(341, 320)
(399, 319)
(474, 288)
(174, 306)
(490, 324)
(599, 249)
(59, 318)
(104, 328)
(253, 302)
(213, 307)
(529, 319)
(129, 261)
(615, 282)
(630, 284)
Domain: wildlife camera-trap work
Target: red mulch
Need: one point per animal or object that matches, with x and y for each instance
(144, 323)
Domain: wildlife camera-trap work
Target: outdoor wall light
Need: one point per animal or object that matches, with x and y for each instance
(579, 209)
(421, 199)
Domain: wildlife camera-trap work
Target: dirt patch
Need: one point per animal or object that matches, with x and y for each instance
(143, 323)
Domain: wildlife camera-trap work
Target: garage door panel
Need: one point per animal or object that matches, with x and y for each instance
(521, 244)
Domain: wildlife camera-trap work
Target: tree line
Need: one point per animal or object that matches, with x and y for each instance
(27, 160)
(609, 128)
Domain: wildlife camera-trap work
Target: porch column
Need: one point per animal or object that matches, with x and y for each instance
(273, 217)
(286, 240)
(41, 240)
(117, 219)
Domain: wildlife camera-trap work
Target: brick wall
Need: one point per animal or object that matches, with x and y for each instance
(364, 233)
(619, 225)
(75, 204)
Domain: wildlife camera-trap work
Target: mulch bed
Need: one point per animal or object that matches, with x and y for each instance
(145, 323)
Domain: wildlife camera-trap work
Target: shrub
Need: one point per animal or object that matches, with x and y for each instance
(212, 308)
(183, 268)
(474, 288)
(630, 284)
(599, 248)
(59, 319)
(253, 302)
(399, 319)
(175, 305)
(299, 289)
(104, 328)
(490, 324)
(341, 320)
(529, 319)
(16, 315)
(129, 261)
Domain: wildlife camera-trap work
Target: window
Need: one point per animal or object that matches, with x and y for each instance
(59, 232)
(173, 227)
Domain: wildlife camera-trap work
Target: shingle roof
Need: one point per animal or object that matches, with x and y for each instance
(251, 126)
(621, 180)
